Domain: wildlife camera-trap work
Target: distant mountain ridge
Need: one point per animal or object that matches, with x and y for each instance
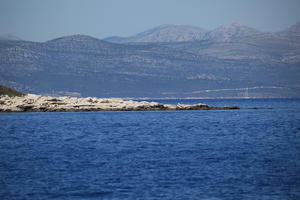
(226, 62)
(79, 41)
(9, 37)
(184, 33)
(164, 33)
(293, 30)
(230, 31)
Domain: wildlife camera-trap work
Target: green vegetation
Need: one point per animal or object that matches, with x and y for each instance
(10, 91)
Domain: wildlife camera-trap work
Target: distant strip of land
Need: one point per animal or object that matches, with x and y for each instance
(38, 103)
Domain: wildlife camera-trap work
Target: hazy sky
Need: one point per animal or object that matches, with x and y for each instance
(41, 20)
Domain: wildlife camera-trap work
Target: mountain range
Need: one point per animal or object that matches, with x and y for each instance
(182, 33)
(169, 61)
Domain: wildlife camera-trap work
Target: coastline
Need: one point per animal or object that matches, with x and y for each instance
(38, 103)
(202, 98)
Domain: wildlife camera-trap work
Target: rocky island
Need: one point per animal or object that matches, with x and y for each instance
(38, 103)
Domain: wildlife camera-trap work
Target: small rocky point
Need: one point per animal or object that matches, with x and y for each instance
(38, 103)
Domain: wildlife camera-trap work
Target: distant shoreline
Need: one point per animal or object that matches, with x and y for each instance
(203, 98)
(38, 103)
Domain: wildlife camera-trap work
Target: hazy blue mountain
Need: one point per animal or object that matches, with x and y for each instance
(265, 48)
(293, 30)
(181, 33)
(163, 33)
(254, 65)
(230, 31)
(9, 37)
(116, 39)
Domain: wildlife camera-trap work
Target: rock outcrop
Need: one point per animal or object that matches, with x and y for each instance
(38, 103)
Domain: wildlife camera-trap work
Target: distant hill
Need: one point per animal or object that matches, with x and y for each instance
(233, 61)
(231, 31)
(9, 91)
(164, 33)
(293, 30)
(9, 37)
(181, 33)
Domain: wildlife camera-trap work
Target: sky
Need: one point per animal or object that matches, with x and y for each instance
(42, 20)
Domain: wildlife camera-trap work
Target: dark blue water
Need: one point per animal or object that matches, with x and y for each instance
(212, 155)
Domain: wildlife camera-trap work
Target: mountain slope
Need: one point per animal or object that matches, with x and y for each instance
(293, 30)
(180, 33)
(266, 64)
(230, 31)
(9, 37)
(164, 33)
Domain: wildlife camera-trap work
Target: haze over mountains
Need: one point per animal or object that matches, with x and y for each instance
(166, 61)
(181, 33)
(9, 37)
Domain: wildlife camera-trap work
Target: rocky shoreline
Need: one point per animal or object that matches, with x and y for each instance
(38, 103)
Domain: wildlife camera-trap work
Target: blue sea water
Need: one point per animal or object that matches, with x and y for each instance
(201, 155)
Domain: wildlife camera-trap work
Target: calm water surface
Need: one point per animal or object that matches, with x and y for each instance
(205, 155)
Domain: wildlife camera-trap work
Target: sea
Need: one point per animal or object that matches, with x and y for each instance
(252, 153)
